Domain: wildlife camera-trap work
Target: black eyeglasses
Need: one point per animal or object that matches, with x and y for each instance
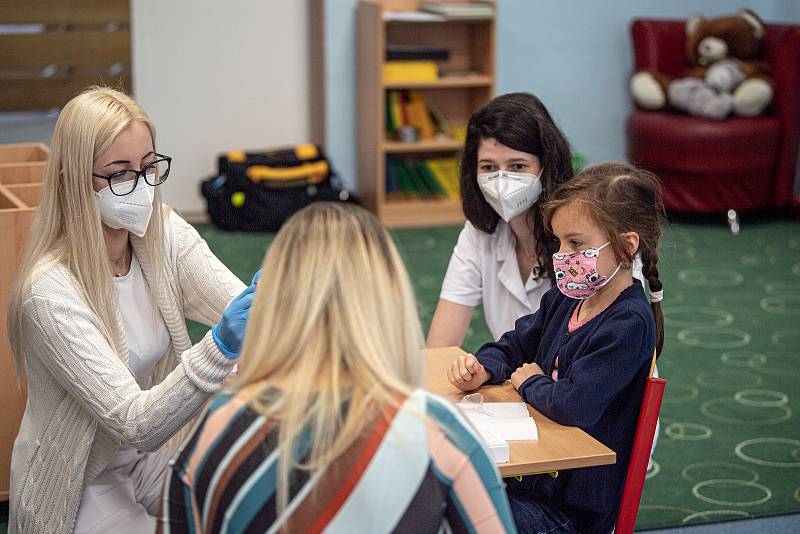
(124, 182)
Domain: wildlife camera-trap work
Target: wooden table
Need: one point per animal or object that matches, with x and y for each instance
(559, 447)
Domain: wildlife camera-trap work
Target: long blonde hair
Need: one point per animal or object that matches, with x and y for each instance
(67, 227)
(334, 321)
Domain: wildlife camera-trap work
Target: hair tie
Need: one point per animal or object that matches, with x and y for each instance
(657, 296)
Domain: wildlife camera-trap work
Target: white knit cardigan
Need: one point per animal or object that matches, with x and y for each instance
(83, 401)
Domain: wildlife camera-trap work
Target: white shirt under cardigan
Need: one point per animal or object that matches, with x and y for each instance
(83, 402)
(120, 498)
(148, 337)
(148, 342)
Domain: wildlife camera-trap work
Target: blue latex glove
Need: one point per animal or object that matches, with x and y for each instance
(228, 333)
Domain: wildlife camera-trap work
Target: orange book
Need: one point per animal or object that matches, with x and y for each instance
(420, 116)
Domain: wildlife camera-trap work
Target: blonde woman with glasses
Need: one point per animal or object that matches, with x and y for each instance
(97, 325)
(326, 428)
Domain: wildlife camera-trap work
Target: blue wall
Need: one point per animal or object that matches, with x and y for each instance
(340, 87)
(575, 55)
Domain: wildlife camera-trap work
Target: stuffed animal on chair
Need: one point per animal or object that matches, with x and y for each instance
(724, 76)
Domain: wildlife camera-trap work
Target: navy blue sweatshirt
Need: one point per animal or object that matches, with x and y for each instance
(602, 367)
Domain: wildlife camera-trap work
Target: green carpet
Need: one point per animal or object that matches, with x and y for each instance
(730, 440)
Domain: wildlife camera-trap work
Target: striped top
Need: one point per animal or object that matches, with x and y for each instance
(421, 469)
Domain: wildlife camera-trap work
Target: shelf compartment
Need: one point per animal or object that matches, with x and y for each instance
(22, 153)
(22, 163)
(8, 202)
(471, 44)
(28, 194)
(454, 104)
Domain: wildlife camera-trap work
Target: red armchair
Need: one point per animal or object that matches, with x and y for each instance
(705, 165)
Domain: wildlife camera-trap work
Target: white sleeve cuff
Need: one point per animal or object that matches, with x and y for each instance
(464, 300)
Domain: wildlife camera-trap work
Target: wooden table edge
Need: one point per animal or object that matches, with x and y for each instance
(507, 470)
(517, 470)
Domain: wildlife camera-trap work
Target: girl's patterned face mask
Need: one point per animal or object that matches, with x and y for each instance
(576, 272)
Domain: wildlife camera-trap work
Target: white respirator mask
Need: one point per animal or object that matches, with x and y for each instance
(131, 212)
(510, 193)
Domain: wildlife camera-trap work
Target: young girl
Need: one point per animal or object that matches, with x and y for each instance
(582, 359)
(514, 158)
(326, 428)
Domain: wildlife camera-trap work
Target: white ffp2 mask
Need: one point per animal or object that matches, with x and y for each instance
(131, 212)
(510, 193)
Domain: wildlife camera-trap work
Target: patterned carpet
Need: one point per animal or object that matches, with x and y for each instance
(730, 440)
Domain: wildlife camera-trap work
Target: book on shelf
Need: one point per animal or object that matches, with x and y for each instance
(460, 10)
(412, 16)
(419, 116)
(404, 107)
(409, 178)
(407, 184)
(394, 111)
(410, 52)
(428, 178)
(410, 71)
(440, 119)
(399, 186)
(448, 173)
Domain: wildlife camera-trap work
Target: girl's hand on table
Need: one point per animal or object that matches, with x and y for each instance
(525, 372)
(466, 373)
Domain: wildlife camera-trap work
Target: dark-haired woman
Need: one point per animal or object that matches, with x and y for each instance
(514, 158)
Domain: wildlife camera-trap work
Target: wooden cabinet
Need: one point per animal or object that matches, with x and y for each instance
(468, 85)
(50, 50)
(21, 169)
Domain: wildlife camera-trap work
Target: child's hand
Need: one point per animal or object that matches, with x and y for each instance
(466, 373)
(525, 372)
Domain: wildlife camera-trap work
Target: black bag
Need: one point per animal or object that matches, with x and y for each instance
(259, 191)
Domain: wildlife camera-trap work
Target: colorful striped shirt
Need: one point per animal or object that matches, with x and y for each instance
(422, 469)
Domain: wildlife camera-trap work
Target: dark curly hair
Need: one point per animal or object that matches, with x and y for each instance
(521, 122)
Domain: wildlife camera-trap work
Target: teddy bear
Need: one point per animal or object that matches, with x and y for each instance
(724, 77)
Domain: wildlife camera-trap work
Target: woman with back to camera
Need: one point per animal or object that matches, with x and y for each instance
(326, 428)
(97, 325)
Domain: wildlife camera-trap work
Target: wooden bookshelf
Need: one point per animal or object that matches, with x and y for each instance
(472, 49)
(21, 168)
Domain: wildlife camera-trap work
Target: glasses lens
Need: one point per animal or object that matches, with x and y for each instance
(156, 172)
(123, 183)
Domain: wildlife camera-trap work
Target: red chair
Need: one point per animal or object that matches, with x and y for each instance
(640, 453)
(706, 165)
